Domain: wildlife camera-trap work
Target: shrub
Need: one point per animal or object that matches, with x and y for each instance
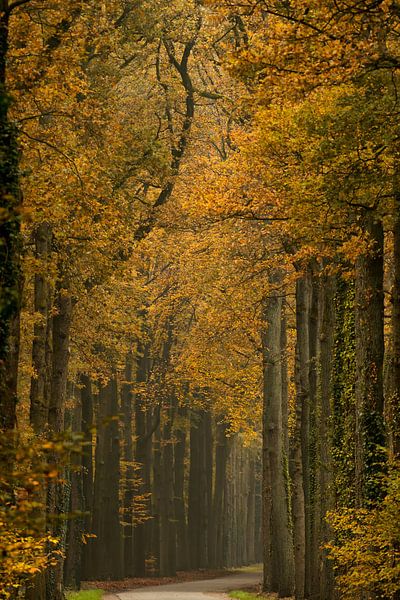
(366, 549)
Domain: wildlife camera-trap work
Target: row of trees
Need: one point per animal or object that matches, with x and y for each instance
(186, 505)
(319, 158)
(152, 474)
(183, 496)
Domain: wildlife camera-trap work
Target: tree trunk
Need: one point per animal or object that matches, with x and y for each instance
(243, 507)
(97, 545)
(167, 512)
(312, 543)
(179, 490)
(228, 511)
(61, 329)
(87, 469)
(278, 558)
(250, 501)
(197, 500)
(393, 403)
(107, 550)
(369, 319)
(140, 458)
(42, 366)
(324, 481)
(156, 504)
(208, 476)
(39, 399)
(343, 376)
(299, 440)
(57, 494)
(75, 524)
(194, 497)
(10, 243)
(152, 428)
(285, 388)
(258, 545)
(129, 491)
(221, 458)
(113, 568)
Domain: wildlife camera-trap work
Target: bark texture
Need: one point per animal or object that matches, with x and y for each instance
(278, 559)
(58, 493)
(129, 488)
(10, 242)
(369, 321)
(298, 462)
(39, 393)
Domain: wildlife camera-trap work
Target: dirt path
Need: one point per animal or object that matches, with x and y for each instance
(207, 589)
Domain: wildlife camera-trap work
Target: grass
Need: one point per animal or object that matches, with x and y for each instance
(251, 568)
(85, 595)
(242, 595)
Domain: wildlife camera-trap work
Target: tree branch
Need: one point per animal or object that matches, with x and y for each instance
(15, 5)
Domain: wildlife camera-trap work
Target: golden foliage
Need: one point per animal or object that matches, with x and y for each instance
(366, 550)
(27, 466)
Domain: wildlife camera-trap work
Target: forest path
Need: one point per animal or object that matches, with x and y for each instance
(191, 590)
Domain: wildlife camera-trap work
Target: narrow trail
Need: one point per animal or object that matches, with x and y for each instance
(208, 589)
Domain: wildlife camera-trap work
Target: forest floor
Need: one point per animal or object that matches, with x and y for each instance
(200, 589)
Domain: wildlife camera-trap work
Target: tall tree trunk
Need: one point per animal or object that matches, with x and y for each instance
(39, 399)
(393, 408)
(258, 545)
(250, 500)
(343, 378)
(208, 476)
(41, 364)
(129, 492)
(197, 500)
(156, 504)
(152, 428)
(194, 492)
(299, 439)
(233, 550)
(57, 494)
(312, 543)
(278, 559)
(87, 470)
(369, 319)
(75, 524)
(243, 506)
(107, 557)
(167, 512)
(221, 458)
(285, 387)
(228, 513)
(113, 567)
(140, 458)
(98, 549)
(324, 479)
(60, 334)
(10, 242)
(179, 490)
(203, 512)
